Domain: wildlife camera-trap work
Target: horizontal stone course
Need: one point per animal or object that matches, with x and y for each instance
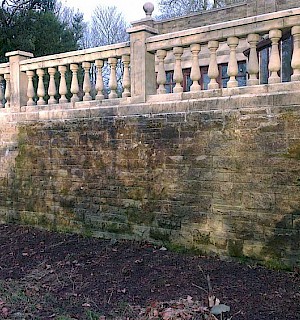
(223, 181)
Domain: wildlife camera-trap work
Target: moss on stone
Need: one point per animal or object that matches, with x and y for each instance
(136, 216)
(294, 152)
(201, 239)
(115, 227)
(160, 234)
(235, 248)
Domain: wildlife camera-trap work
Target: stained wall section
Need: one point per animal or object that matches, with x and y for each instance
(220, 175)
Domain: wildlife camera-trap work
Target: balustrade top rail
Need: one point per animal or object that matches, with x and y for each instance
(135, 71)
(79, 56)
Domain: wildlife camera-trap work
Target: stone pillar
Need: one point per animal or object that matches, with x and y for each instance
(253, 66)
(126, 76)
(86, 82)
(178, 75)
(274, 63)
(232, 65)
(74, 84)
(142, 63)
(63, 90)
(18, 79)
(296, 54)
(113, 84)
(52, 86)
(41, 88)
(30, 88)
(213, 71)
(195, 70)
(161, 73)
(99, 80)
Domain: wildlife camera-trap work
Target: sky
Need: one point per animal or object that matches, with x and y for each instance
(132, 9)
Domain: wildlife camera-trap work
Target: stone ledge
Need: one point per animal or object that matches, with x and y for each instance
(210, 100)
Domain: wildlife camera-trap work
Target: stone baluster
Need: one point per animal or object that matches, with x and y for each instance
(232, 64)
(63, 90)
(74, 83)
(99, 80)
(253, 66)
(274, 62)
(30, 88)
(52, 87)
(213, 70)
(195, 70)
(161, 74)
(178, 75)
(296, 54)
(41, 87)
(113, 84)
(7, 94)
(126, 76)
(86, 81)
(1, 92)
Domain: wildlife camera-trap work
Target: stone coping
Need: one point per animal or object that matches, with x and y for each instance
(266, 96)
(4, 68)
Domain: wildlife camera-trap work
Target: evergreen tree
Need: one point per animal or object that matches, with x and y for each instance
(34, 26)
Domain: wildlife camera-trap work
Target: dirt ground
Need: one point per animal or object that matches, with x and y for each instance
(46, 275)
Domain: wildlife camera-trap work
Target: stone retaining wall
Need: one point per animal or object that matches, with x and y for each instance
(221, 175)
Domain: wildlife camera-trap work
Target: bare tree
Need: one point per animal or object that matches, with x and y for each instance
(108, 26)
(177, 8)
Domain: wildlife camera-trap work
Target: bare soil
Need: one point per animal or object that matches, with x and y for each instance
(47, 275)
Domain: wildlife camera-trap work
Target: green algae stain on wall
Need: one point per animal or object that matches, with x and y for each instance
(33, 183)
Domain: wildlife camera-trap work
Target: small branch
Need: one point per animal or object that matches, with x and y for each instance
(240, 311)
(193, 284)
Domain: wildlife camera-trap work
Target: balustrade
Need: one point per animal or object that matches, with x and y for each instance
(67, 78)
(211, 47)
(206, 57)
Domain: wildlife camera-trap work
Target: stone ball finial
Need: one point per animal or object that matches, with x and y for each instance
(148, 8)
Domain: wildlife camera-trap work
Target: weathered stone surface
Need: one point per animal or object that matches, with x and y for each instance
(220, 181)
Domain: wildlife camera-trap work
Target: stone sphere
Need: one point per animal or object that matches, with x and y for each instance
(148, 8)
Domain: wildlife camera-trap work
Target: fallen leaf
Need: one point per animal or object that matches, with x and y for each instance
(86, 305)
(5, 312)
